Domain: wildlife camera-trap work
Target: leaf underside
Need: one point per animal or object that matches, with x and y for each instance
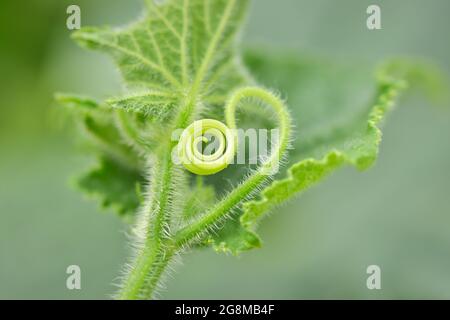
(116, 187)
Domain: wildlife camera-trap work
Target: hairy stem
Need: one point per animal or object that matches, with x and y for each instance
(157, 222)
(154, 255)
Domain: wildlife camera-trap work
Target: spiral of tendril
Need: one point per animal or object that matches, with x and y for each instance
(203, 132)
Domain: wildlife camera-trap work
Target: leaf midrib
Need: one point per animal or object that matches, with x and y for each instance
(201, 73)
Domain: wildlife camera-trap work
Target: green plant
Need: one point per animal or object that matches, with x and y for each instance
(180, 64)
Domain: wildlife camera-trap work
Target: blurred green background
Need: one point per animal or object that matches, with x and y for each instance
(397, 215)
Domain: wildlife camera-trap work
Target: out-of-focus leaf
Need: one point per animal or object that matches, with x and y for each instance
(337, 112)
(117, 178)
(75, 102)
(114, 185)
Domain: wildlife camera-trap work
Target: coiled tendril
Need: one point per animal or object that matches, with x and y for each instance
(201, 132)
(190, 147)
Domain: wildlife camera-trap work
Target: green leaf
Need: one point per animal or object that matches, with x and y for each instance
(234, 238)
(338, 111)
(182, 49)
(424, 77)
(76, 102)
(155, 104)
(117, 178)
(99, 125)
(114, 185)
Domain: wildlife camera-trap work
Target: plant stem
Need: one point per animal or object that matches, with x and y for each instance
(154, 255)
(156, 220)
